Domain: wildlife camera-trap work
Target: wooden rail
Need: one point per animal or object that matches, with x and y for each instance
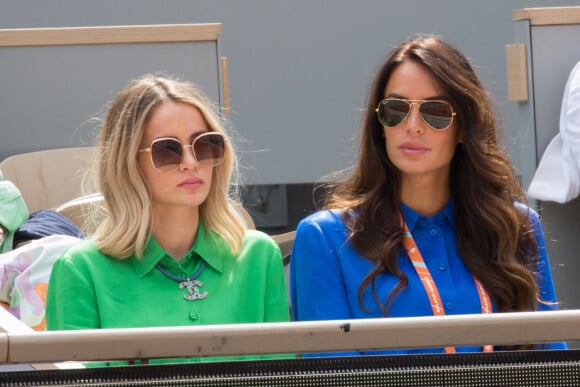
(292, 337)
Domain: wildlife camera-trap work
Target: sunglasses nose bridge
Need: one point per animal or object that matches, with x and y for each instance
(191, 154)
(417, 105)
(409, 116)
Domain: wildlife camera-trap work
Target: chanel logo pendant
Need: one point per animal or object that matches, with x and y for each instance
(192, 287)
(191, 284)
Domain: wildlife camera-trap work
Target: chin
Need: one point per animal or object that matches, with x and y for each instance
(196, 200)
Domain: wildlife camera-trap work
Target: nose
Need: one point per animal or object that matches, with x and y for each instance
(188, 161)
(414, 123)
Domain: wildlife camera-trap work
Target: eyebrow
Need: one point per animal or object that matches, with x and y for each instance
(434, 98)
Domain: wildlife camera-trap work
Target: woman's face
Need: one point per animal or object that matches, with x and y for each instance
(414, 147)
(189, 184)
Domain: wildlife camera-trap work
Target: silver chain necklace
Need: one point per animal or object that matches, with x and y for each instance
(191, 284)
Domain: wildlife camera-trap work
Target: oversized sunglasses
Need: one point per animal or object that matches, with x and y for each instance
(166, 153)
(438, 114)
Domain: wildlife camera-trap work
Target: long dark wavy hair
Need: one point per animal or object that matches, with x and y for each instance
(495, 239)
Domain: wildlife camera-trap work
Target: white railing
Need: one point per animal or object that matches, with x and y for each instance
(292, 337)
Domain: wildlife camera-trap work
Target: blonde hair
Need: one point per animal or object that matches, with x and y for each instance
(125, 229)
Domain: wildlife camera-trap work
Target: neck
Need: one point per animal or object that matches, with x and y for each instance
(175, 231)
(427, 195)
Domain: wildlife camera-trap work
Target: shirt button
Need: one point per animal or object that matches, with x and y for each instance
(433, 232)
(442, 268)
(194, 316)
(449, 306)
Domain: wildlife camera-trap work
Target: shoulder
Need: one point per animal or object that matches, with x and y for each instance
(533, 219)
(321, 225)
(327, 222)
(324, 220)
(83, 253)
(85, 246)
(259, 239)
(528, 211)
(258, 252)
(258, 244)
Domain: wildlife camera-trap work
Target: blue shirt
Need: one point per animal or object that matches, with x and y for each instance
(326, 272)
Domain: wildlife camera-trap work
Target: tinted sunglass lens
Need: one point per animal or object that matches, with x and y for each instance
(437, 114)
(166, 154)
(209, 149)
(393, 112)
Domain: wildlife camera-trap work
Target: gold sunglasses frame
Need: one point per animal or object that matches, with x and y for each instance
(418, 103)
(148, 149)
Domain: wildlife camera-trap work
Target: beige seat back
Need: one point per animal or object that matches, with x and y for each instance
(86, 212)
(47, 178)
(285, 241)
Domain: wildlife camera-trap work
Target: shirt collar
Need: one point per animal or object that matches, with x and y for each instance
(412, 217)
(208, 245)
(211, 247)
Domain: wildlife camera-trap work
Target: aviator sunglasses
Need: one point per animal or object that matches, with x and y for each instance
(166, 153)
(438, 114)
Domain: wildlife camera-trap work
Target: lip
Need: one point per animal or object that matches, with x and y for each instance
(413, 148)
(191, 183)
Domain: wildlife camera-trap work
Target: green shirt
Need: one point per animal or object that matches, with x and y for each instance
(89, 290)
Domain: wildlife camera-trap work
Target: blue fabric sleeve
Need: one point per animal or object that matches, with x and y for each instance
(544, 279)
(316, 281)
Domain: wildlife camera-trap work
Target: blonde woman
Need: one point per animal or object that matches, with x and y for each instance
(172, 250)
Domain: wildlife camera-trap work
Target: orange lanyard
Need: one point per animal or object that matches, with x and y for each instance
(430, 286)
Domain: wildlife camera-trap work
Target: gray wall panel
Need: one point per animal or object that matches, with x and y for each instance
(299, 70)
(51, 96)
(554, 52)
